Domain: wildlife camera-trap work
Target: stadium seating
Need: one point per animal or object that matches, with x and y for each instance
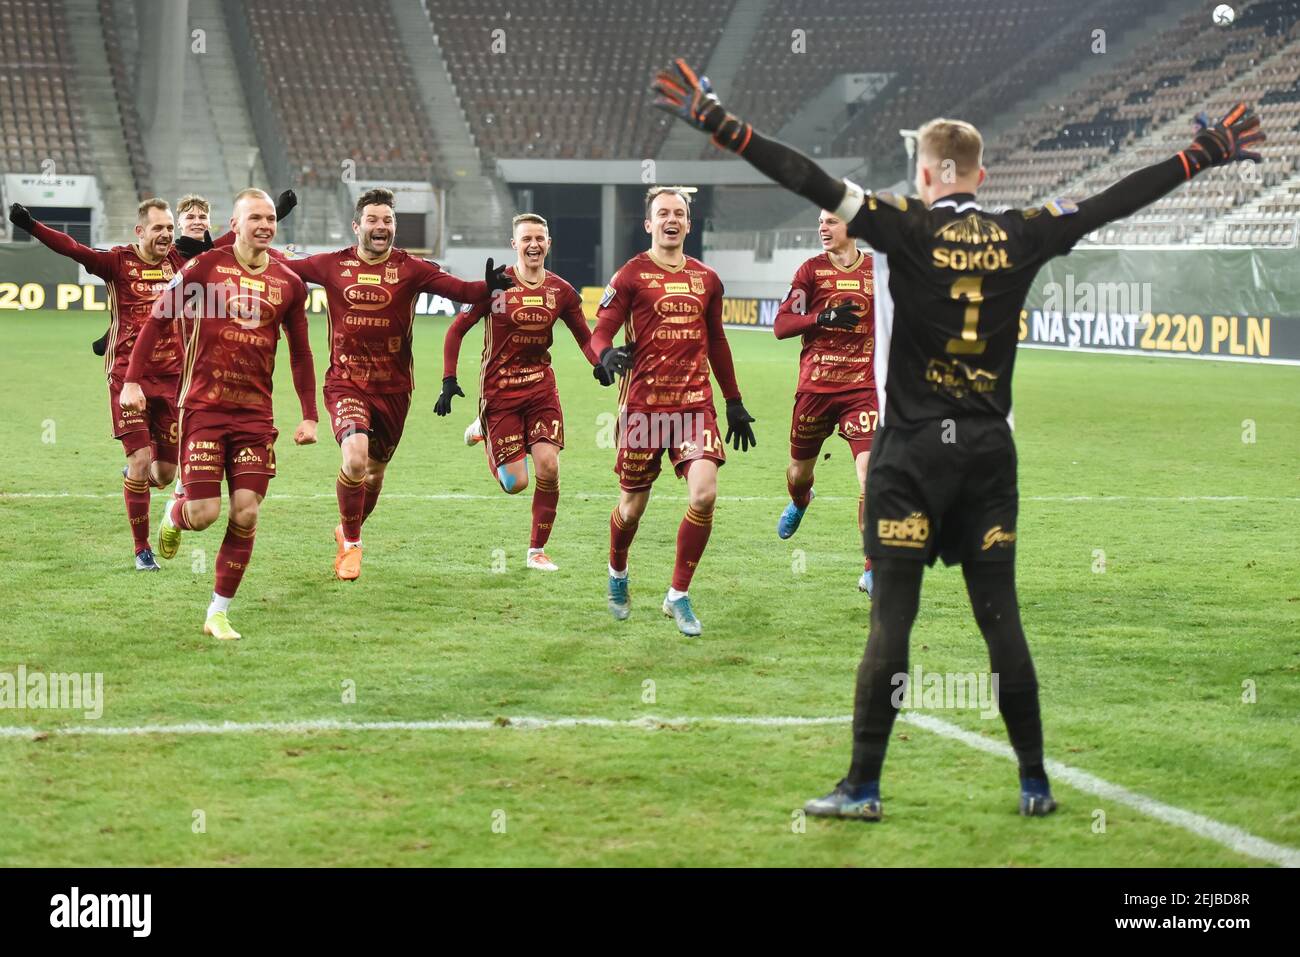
(124, 87)
(573, 79)
(340, 87)
(40, 111)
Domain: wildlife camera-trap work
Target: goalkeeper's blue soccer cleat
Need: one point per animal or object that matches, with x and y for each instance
(1036, 798)
(620, 604)
(682, 613)
(861, 803)
(867, 582)
(789, 521)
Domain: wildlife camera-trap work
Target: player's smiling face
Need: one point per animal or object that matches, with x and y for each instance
(669, 222)
(532, 242)
(155, 233)
(375, 229)
(195, 222)
(254, 222)
(832, 231)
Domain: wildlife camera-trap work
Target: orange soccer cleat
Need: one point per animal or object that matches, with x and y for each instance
(347, 563)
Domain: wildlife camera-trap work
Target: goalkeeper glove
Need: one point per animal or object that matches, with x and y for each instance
(841, 317)
(1223, 142)
(21, 217)
(284, 204)
(450, 387)
(189, 247)
(692, 99)
(613, 361)
(739, 433)
(496, 278)
(100, 345)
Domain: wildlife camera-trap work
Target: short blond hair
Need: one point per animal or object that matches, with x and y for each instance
(191, 200)
(529, 218)
(251, 193)
(954, 140)
(153, 202)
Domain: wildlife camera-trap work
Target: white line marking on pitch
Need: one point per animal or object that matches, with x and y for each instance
(1226, 835)
(610, 494)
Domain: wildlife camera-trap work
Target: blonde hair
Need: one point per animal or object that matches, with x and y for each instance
(529, 218)
(251, 193)
(954, 140)
(142, 211)
(190, 200)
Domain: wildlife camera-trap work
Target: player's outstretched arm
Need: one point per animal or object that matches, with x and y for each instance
(576, 320)
(97, 263)
(1230, 140)
(691, 98)
(739, 431)
(463, 323)
(304, 369)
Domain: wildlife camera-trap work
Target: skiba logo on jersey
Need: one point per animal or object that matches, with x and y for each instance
(133, 911)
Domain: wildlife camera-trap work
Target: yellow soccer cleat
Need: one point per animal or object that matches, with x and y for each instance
(218, 626)
(169, 540)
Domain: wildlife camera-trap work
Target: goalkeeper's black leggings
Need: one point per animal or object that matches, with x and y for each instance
(992, 590)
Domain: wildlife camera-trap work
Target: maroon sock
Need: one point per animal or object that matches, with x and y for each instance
(232, 559)
(801, 495)
(177, 506)
(351, 495)
(546, 496)
(137, 510)
(621, 533)
(692, 536)
(372, 499)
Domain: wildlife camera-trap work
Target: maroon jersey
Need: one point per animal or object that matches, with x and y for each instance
(230, 324)
(832, 360)
(674, 319)
(133, 285)
(516, 363)
(372, 310)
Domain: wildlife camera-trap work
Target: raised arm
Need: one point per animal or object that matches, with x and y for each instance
(97, 263)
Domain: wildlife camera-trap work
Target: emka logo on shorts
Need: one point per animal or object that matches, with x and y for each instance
(103, 910)
(910, 532)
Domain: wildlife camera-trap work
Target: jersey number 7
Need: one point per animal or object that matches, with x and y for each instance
(968, 288)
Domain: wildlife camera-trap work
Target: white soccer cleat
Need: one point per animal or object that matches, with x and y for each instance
(473, 433)
(539, 560)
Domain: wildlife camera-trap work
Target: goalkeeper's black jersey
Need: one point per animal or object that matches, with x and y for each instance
(948, 312)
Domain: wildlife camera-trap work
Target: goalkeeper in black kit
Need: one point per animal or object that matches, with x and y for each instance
(951, 280)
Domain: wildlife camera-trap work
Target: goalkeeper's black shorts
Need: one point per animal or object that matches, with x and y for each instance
(945, 489)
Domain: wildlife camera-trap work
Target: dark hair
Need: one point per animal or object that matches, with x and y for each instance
(373, 197)
(654, 192)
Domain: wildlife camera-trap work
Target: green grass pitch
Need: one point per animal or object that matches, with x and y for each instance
(1158, 576)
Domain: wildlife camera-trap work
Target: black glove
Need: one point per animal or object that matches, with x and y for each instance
(100, 345)
(738, 426)
(450, 387)
(1223, 142)
(841, 317)
(692, 99)
(189, 247)
(21, 217)
(496, 278)
(284, 204)
(613, 361)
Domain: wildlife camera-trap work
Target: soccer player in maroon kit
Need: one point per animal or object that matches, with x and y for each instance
(672, 305)
(371, 289)
(135, 276)
(519, 404)
(232, 304)
(829, 306)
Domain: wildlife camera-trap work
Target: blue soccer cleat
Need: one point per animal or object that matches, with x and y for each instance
(861, 803)
(620, 604)
(682, 613)
(145, 562)
(789, 521)
(867, 582)
(1036, 798)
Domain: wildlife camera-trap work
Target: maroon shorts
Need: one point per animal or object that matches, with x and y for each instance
(510, 432)
(817, 415)
(644, 437)
(382, 417)
(154, 428)
(217, 446)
